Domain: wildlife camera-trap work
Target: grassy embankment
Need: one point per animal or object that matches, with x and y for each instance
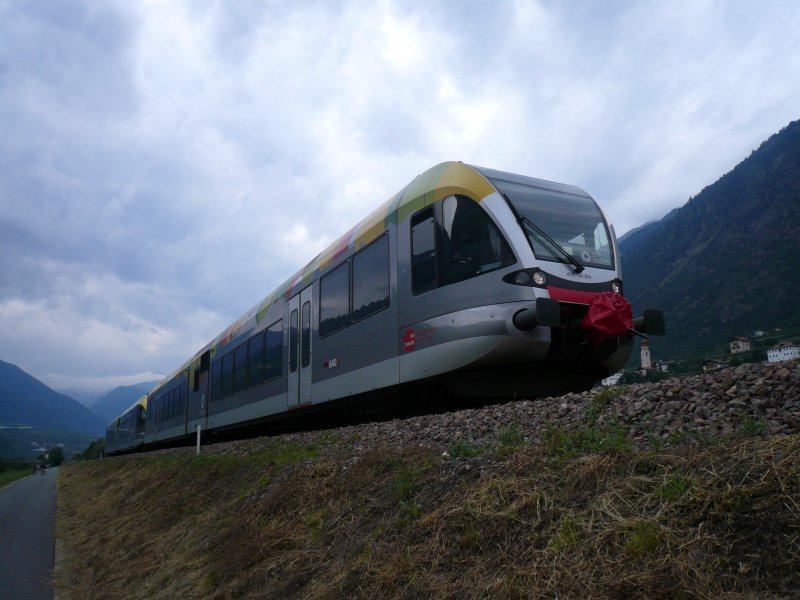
(578, 515)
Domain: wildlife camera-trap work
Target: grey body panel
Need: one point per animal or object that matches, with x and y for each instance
(241, 412)
(168, 432)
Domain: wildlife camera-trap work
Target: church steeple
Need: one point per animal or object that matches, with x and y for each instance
(646, 362)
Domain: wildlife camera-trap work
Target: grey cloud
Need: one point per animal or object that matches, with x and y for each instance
(164, 166)
(77, 54)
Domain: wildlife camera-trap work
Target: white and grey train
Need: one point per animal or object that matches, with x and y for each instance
(470, 279)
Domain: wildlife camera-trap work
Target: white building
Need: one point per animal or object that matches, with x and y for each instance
(715, 364)
(783, 351)
(739, 344)
(613, 379)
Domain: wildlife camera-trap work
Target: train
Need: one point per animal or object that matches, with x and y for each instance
(477, 281)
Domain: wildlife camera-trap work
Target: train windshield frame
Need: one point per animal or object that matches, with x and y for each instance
(573, 222)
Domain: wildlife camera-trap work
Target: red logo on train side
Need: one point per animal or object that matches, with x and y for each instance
(409, 340)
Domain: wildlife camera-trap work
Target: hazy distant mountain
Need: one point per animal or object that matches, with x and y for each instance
(82, 396)
(25, 400)
(727, 262)
(114, 403)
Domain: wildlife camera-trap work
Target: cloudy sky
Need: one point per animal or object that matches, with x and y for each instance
(164, 165)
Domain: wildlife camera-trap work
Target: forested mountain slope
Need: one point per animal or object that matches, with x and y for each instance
(727, 262)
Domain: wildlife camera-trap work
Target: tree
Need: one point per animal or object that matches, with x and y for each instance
(94, 451)
(56, 456)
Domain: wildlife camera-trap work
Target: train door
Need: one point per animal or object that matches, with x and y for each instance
(299, 355)
(197, 405)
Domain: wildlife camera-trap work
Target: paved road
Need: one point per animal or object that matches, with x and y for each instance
(27, 547)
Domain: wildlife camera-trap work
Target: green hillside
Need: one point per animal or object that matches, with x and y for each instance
(728, 262)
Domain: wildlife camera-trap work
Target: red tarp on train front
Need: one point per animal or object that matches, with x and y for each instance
(609, 315)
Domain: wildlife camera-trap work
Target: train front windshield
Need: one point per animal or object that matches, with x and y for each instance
(555, 219)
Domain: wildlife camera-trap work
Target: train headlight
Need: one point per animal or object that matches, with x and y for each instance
(616, 286)
(527, 277)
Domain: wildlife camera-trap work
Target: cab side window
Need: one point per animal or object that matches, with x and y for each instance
(472, 243)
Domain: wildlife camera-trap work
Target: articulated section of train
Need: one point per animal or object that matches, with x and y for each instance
(483, 282)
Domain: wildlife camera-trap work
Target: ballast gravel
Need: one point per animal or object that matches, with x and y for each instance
(751, 399)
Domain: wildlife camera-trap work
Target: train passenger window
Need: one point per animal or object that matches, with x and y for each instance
(334, 300)
(371, 279)
(227, 375)
(215, 389)
(423, 251)
(255, 370)
(305, 343)
(472, 243)
(273, 365)
(293, 342)
(240, 369)
(201, 368)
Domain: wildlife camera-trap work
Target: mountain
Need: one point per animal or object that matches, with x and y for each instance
(638, 234)
(114, 403)
(82, 396)
(727, 262)
(24, 400)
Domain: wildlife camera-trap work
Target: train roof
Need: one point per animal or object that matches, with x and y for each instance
(140, 402)
(491, 174)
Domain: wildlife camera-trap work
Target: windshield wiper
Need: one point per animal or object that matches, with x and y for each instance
(541, 236)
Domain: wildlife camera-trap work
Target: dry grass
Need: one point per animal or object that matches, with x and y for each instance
(306, 523)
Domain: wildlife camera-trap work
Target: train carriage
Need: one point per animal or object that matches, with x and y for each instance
(469, 278)
(126, 432)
